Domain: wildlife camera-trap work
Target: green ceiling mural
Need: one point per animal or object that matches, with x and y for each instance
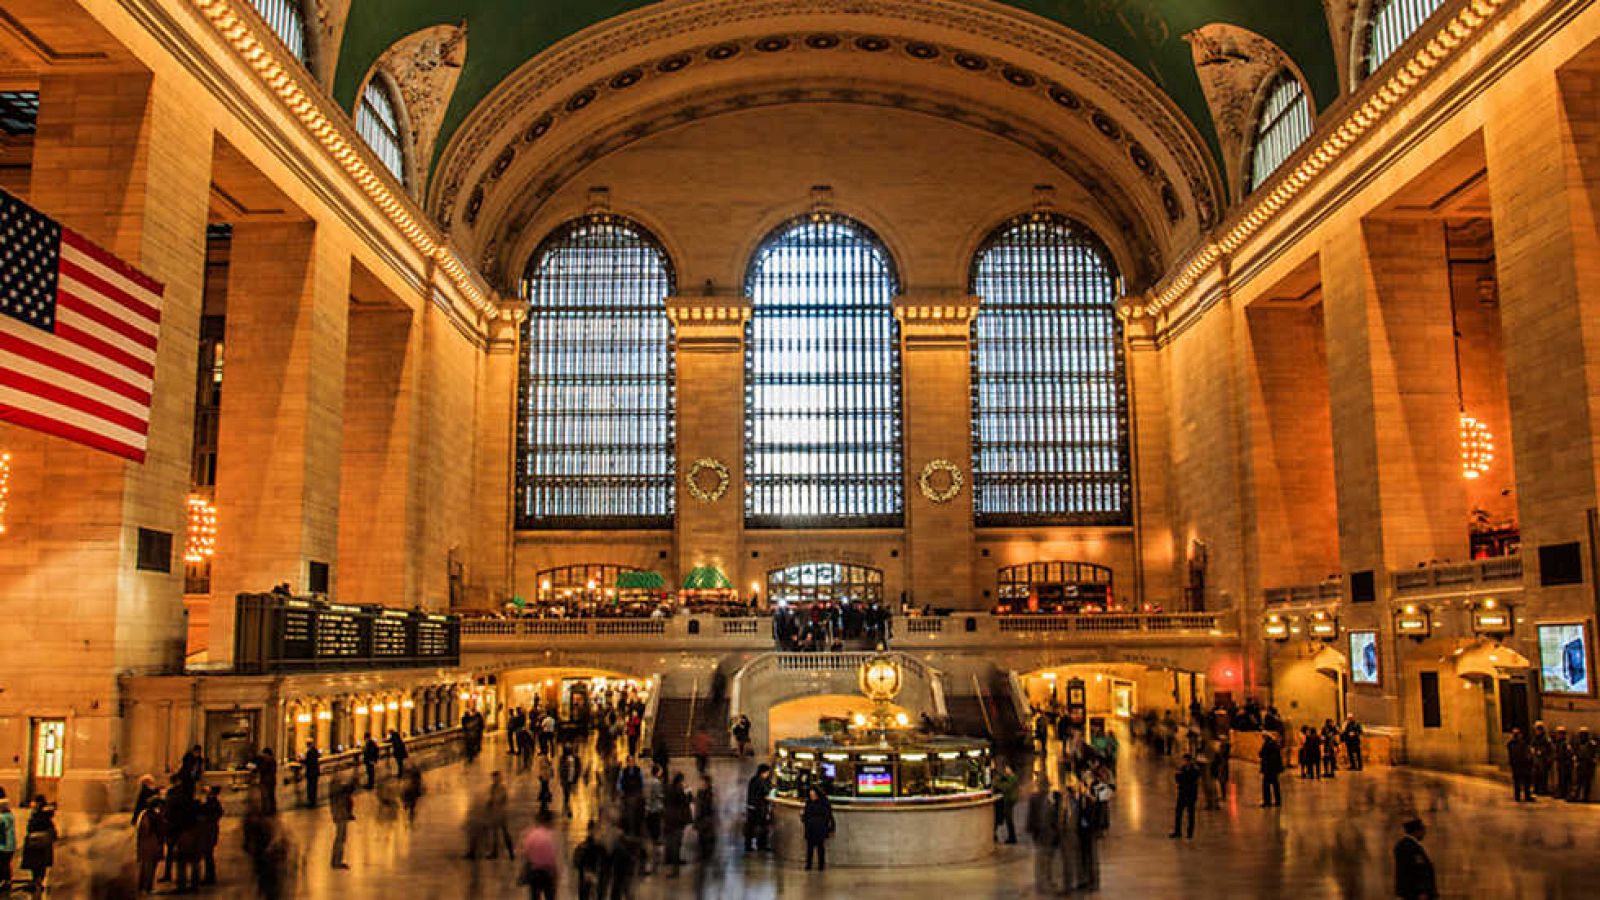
(503, 34)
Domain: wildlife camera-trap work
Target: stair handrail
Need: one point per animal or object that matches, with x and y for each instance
(647, 728)
(983, 706)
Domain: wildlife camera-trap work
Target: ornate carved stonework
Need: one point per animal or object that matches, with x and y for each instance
(1233, 63)
(525, 102)
(1341, 15)
(327, 27)
(426, 65)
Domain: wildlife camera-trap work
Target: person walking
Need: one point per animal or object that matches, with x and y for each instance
(589, 860)
(149, 843)
(523, 742)
(1188, 780)
(1043, 829)
(568, 772)
(266, 766)
(411, 791)
(496, 826)
(741, 735)
(817, 821)
(1520, 755)
(758, 810)
(1271, 759)
(370, 752)
(398, 751)
(342, 808)
(705, 831)
(39, 843)
(675, 817)
(311, 768)
(541, 869)
(700, 743)
(265, 847)
(1093, 819)
(547, 732)
(1006, 788)
(1413, 870)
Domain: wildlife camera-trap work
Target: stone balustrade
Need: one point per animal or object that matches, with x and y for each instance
(1498, 573)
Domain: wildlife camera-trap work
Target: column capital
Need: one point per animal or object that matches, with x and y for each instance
(939, 317)
(708, 317)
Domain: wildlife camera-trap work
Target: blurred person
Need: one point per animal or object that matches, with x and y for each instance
(741, 735)
(39, 843)
(1188, 781)
(1271, 761)
(266, 766)
(675, 817)
(210, 833)
(1042, 828)
(1540, 745)
(1006, 787)
(342, 809)
(541, 867)
(1519, 753)
(8, 844)
(149, 843)
(370, 753)
(1330, 749)
(568, 771)
(311, 769)
(496, 828)
(147, 792)
(758, 810)
(265, 847)
(411, 791)
(1586, 753)
(398, 751)
(700, 743)
(589, 859)
(1561, 763)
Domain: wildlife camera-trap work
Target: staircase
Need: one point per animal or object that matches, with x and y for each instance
(678, 717)
(989, 713)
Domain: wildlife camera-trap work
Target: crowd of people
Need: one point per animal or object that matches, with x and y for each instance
(36, 840)
(1552, 765)
(826, 626)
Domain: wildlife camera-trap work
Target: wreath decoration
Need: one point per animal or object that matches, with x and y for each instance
(692, 479)
(925, 481)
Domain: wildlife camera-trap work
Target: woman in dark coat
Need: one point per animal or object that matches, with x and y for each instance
(817, 820)
(150, 843)
(39, 845)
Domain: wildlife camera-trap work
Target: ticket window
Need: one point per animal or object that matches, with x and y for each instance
(47, 757)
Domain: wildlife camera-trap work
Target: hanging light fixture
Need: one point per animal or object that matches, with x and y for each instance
(1477, 447)
(5, 487)
(201, 543)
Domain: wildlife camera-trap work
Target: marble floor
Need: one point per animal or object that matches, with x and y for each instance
(1331, 838)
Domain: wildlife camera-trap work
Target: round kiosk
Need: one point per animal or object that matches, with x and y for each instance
(899, 797)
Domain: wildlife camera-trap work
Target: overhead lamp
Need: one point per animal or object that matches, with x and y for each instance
(1276, 628)
(1492, 618)
(1413, 622)
(1322, 626)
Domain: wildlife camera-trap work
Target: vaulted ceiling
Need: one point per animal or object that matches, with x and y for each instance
(1148, 34)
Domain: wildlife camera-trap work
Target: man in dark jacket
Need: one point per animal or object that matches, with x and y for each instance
(1520, 755)
(817, 821)
(369, 759)
(397, 751)
(758, 810)
(1271, 757)
(311, 766)
(1188, 779)
(1413, 871)
(1352, 742)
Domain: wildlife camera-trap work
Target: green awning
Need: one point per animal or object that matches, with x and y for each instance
(640, 581)
(707, 578)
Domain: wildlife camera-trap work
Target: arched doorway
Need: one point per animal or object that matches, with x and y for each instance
(1056, 586)
(825, 582)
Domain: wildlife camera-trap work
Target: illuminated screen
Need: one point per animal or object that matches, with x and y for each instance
(1564, 659)
(874, 781)
(1364, 657)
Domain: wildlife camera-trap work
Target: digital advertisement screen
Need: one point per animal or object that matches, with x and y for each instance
(874, 781)
(1364, 657)
(1564, 658)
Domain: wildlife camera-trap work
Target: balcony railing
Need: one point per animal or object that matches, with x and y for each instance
(1497, 573)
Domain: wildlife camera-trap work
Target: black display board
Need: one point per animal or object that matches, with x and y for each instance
(278, 633)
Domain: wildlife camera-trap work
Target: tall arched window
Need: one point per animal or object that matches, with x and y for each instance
(822, 378)
(595, 423)
(1390, 23)
(378, 123)
(1282, 126)
(288, 22)
(1049, 396)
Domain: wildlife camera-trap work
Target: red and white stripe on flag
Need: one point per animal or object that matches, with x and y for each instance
(90, 378)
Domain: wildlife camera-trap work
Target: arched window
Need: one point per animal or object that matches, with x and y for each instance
(288, 22)
(822, 378)
(1390, 23)
(1282, 126)
(378, 123)
(1049, 396)
(595, 423)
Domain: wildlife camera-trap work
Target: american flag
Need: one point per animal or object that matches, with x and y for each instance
(78, 334)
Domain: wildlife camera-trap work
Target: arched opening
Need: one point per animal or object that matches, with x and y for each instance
(1282, 125)
(822, 378)
(580, 696)
(826, 583)
(595, 401)
(1056, 587)
(822, 713)
(381, 124)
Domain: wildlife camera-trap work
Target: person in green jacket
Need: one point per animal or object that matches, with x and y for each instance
(1006, 786)
(8, 843)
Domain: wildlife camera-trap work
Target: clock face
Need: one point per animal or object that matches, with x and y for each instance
(883, 680)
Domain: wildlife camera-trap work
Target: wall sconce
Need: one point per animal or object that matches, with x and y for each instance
(1492, 618)
(1276, 628)
(361, 710)
(1322, 626)
(324, 715)
(394, 705)
(1413, 622)
(408, 703)
(303, 719)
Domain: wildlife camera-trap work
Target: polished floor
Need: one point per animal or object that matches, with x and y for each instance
(1331, 838)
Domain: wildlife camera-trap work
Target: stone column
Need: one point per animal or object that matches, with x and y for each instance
(117, 159)
(710, 398)
(1151, 464)
(1542, 142)
(1392, 394)
(377, 558)
(491, 572)
(936, 375)
(282, 414)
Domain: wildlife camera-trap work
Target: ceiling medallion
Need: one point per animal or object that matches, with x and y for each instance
(691, 479)
(952, 487)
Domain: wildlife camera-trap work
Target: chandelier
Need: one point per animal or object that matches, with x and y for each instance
(1477, 447)
(201, 543)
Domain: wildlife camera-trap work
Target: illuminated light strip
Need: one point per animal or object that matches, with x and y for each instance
(1430, 56)
(5, 487)
(236, 30)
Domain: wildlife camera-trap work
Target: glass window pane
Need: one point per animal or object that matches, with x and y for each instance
(1391, 23)
(595, 425)
(379, 125)
(1283, 125)
(822, 379)
(1049, 399)
(288, 22)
